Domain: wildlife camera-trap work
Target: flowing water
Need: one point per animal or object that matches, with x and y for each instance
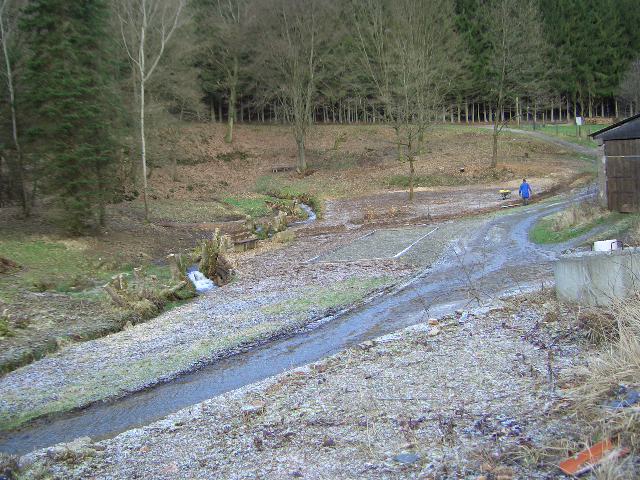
(497, 258)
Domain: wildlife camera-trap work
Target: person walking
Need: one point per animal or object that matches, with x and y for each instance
(525, 191)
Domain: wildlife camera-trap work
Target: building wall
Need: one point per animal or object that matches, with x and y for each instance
(602, 181)
(623, 175)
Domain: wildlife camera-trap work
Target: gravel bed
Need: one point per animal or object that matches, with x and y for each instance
(469, 395)
(248, 311)
(417, 246)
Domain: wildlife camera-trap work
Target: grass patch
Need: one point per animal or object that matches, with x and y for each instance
(131, 376)
(300, 190)
(568, 132)
(70, 304)
(338, 295)
(571, 223)
(254, 207)
(61, 266)
(259, 205)
(189, 211)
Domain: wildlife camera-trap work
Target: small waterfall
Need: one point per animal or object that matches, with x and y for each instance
(311, 215)
(200, 282)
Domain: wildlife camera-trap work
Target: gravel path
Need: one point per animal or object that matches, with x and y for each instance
(592, 152)
(248, 311)
(418, 246)
(487, 259)
(473, 394)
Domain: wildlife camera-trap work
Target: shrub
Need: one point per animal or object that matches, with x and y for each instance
(270, 185)
(610, 372)
(231, 156)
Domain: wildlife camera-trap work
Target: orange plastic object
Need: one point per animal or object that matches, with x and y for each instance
(589, 458)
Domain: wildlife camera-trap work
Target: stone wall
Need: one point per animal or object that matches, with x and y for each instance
(598, 278)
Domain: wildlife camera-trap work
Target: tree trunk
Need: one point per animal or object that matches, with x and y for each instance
(560, 109)
(231, 115)
(302, 161)
(412, 174)
(24, 196)
(101, 196)
(494, 151)
(143, 151)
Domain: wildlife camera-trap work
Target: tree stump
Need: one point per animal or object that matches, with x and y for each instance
(213, 264)
(8, 266)
(280, 222)
(178, 265)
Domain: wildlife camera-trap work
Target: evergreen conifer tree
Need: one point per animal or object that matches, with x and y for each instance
(68, 89)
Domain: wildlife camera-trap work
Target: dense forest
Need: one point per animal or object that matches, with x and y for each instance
(85, 84)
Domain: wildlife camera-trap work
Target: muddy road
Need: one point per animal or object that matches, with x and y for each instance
(496, 259)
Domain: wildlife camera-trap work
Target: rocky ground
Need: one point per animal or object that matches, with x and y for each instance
(322, 274)
(479, 395)
(45, 309)
(250, 310)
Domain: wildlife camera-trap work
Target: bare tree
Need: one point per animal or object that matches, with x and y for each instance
(293, 51)
(227, 23)
(146, 28)
(516, 50)
(408, 50)
(630, 87)
(8, 14)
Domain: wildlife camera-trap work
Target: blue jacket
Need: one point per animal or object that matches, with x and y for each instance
(525, 190)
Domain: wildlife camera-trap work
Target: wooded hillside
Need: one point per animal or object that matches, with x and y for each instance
(85, 85)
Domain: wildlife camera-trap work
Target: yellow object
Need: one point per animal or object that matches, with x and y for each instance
(504, 193)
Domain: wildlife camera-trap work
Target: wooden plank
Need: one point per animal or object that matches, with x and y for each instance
(623, 175)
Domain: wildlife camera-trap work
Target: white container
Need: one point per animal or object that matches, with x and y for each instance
(606, 245)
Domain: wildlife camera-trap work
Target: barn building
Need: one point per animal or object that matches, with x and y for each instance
(619, 175)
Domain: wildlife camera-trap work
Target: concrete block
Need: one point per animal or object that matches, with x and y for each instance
(598, 278)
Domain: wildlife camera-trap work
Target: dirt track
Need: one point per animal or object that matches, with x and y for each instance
(493, 258)
(275, 266)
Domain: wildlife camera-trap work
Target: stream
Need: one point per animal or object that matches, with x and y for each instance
(496, 259)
